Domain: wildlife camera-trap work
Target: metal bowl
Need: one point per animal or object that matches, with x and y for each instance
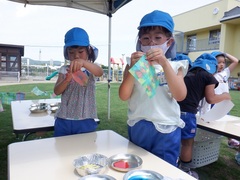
(97, 177)
(91, 164)
(43, 105)
(38, 109)
(125, 162)
(34, 105)
(54, 109)
(142, 175)
(57, 104)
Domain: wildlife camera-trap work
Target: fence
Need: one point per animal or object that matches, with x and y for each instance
(9, 76)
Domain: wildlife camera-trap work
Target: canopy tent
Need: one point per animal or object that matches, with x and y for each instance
(107, 7)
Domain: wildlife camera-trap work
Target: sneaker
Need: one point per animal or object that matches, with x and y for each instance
(193, 174)
(237, 157)
(233, 143)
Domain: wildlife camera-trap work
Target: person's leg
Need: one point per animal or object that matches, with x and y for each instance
(237, 157)
(141, 134)
(167, 146)
(186, 149)
(164, 145)
(83, 126)
(187, 134)
(62, 127)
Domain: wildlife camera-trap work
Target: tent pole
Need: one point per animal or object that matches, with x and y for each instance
(109, 66)
(109, 54)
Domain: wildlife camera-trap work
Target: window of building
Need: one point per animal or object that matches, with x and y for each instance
(214, 37)
(3, 62)
(191, 42)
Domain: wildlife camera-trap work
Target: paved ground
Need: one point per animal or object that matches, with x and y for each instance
(30, 80)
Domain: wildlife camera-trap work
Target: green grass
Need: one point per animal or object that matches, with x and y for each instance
(224, 169)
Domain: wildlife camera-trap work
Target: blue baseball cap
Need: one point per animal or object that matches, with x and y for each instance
(157, 18)
(180, 57)
(77, 37)
(218, 53)
(207, 62)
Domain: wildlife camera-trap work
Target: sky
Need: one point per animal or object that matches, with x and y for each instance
(41, 29)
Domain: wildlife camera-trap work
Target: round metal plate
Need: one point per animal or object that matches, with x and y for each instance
(125, 162)
(143, 175)
(97, 177)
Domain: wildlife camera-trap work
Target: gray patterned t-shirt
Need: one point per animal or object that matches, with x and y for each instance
(78, 102)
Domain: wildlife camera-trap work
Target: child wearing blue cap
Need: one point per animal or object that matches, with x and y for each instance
(222, 75)
(154, 123)
(78, 105)
(200, 83)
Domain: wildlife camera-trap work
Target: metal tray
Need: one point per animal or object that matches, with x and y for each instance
(39, 108)
(125, 162)
(97, 177)
(143, 175)
(91, 164)
(54, 109)
(57, 104)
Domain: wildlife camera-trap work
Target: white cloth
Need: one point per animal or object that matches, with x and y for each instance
(222, 78)
(162, 109)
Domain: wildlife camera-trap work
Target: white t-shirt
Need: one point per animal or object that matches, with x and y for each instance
(162, 109)
(222, 78)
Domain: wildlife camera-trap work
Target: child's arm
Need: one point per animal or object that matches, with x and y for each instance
(62, 83)
(213, 98)
(233, 62)
(126, 87)
(175, 82)
(95, 69)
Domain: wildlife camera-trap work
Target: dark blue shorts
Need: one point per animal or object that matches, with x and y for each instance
(164, 145)
(63, 127)
(189, 131)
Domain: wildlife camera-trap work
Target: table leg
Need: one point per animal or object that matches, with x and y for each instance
(25, 136)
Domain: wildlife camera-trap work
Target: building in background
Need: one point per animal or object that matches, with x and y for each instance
(212, 27)
(11, 57)
(11, 61)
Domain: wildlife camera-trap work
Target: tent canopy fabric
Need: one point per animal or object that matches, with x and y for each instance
(118, 61)
(107, 7)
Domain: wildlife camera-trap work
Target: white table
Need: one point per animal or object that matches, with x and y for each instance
(228, 126)
(52, 158)
(25, 122)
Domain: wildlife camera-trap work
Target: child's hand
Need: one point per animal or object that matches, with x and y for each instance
(156, 55)
(76, 65)
(68, 76)
(227, 96)
(135, 57)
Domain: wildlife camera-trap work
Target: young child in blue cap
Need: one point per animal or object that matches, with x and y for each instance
(78, 105)
(154, 123)
(222, 75)
(200, 83)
